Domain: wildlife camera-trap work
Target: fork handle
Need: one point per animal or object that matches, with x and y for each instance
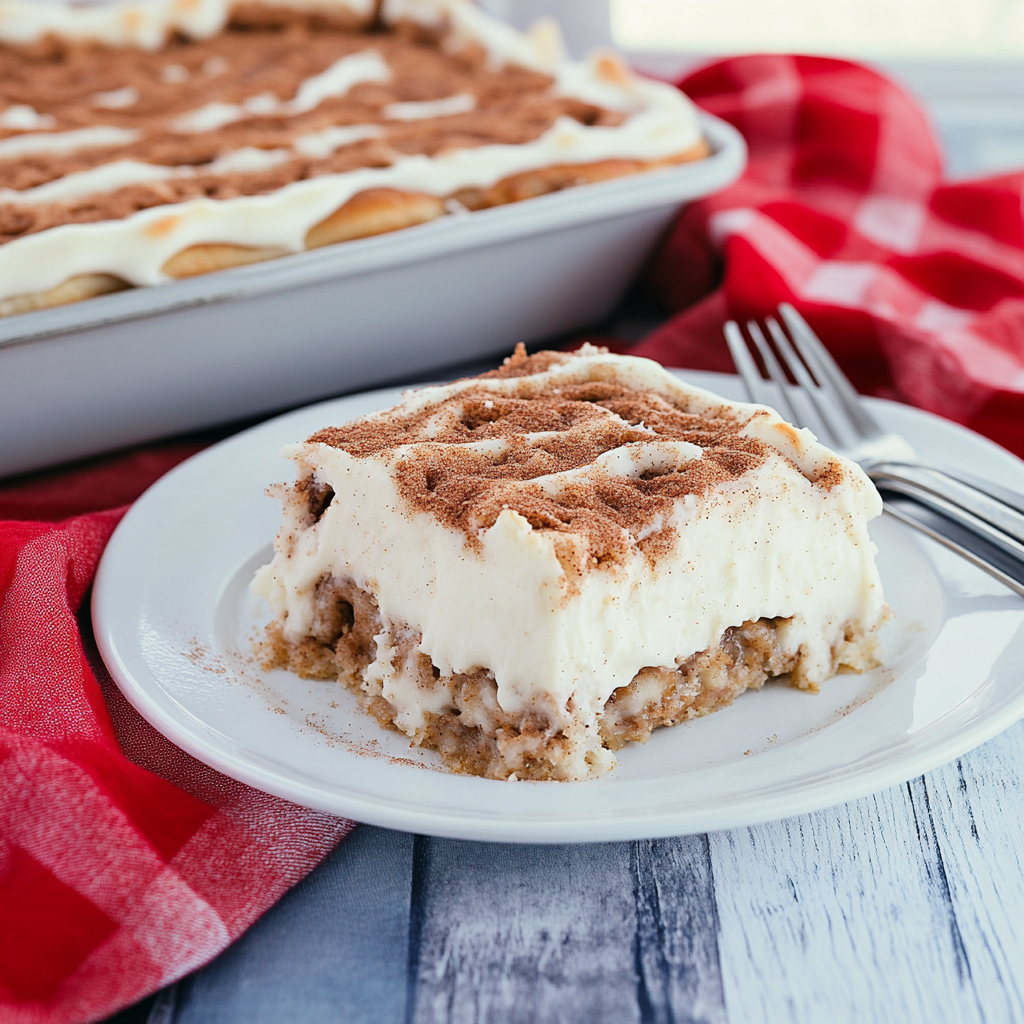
(976, 510)
(1008, 571)
(1012, 498)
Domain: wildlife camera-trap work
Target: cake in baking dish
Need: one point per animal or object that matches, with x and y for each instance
(158, 139)
(528, 569)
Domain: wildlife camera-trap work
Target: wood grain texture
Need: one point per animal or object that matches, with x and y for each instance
(338, 939)
(836, 916)
(613, 932)
(678, 972)
(891, 908)
(977, 806)
(905, 907)
(525, 934)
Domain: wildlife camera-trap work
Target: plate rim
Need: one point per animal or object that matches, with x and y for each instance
(795, 798)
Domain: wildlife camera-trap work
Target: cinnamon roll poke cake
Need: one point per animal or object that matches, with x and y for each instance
(158, 139)
(528, 569)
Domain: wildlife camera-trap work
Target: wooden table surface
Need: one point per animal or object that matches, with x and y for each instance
(903, 907)
(906, 906)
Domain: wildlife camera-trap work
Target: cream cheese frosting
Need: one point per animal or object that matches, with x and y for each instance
(338, 79)
(34, 143)
(146, 24)
(570, 613)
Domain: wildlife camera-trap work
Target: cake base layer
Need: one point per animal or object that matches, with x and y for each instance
(74, 289)
(459, 715)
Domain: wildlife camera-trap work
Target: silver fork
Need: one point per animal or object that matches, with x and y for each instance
(832, 409)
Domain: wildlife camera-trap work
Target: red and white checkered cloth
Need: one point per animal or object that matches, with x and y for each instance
(916, 286)
(124, 863)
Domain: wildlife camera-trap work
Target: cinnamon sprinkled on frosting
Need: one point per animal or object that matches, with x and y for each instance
(540, 429)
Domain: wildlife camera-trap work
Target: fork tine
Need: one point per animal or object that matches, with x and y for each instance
(757, 390)
(833, 381)
(774, 371)
(824, 417)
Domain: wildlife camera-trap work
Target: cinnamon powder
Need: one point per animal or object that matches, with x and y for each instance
(466, 489)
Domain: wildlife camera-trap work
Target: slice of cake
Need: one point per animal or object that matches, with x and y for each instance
(528, 569)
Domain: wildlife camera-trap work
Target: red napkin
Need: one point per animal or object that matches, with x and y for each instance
(916, 285)
(124, 862)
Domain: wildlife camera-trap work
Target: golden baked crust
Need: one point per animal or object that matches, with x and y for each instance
(74, 289)
(518, 187)
(204, 259)
(375, 212)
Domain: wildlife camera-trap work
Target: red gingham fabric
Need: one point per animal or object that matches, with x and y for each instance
(124, 863)
(916, 285)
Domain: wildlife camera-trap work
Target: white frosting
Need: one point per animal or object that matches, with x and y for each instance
(217, 113)
(23, 118)
(614, 87)
(148, 23)
(174, 74)
(770, 543)
(66, 142)
(142, 23)
(117, 99)
(461, 103)
(338, 79)
(324, 142)
(248, 158)
(105, 178)
(121, 173)
(342, 75)
(539, 49)
(660, 123)
(137, 247)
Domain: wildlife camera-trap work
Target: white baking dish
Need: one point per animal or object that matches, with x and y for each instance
(147, 363)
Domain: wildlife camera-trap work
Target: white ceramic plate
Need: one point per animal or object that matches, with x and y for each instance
(175, 623)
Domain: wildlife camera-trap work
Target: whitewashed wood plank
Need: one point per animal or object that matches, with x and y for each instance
(977, 806)
(838, 916)
(529, 934)
(679, 975)
(569, 934)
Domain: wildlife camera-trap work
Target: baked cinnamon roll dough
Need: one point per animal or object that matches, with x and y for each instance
(143, 142)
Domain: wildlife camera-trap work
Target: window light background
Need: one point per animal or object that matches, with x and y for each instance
(951, 29)
(964, 59)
